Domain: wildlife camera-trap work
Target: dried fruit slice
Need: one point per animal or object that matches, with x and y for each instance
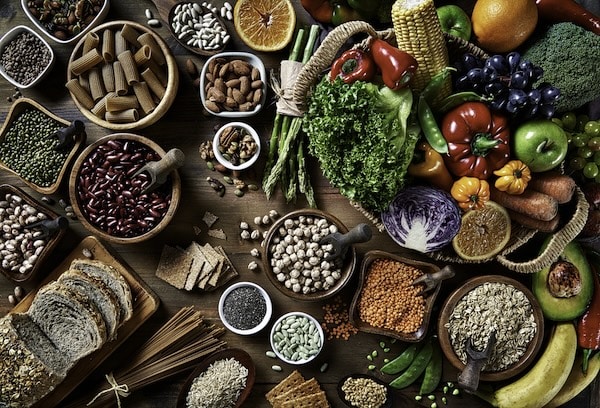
(483, 233)
(264, 25)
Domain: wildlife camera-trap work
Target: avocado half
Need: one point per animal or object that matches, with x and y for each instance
(565, 305)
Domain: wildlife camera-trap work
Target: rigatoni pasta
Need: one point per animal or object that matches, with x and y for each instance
(121, 85)
(86, 62)
(157, 55)
(108, 45)
(126, 116)
(97, 90)
(120, 43)
(142, 92)
(91, 41)
(80, 94)
(143, 55)
(117, 103)
(108, 77)
(154, 83)
(129, 67)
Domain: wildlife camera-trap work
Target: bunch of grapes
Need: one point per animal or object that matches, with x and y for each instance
(583, 157)
(508, 82)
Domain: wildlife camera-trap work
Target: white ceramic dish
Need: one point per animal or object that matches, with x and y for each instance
(95, 22)
(251, 59)
(219, 156)
(7, 38)
(280, 355)
(264, 321)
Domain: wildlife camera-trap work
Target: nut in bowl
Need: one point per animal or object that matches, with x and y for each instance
(236, 146)
(245, 308)
(297, 338)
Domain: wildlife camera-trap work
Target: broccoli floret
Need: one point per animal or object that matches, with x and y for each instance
(568, 54)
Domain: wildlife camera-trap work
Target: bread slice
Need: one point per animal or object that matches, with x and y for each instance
(111, 278)
(70, 320)
(103, 297)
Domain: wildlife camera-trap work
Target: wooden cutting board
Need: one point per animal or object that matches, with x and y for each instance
(145, 303)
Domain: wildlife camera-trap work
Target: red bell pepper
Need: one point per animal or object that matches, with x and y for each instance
(478, 140)
(588, 327)
(397, 67)
(353, 65)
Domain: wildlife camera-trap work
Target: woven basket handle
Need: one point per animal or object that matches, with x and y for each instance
(557, 243)
(326, 53)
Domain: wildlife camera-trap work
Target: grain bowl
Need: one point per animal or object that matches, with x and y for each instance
(499, 303)
(236, 146)
(245, 308)
(297, 338)
(107, 196)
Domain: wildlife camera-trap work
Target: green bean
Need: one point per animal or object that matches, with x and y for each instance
(415, 369)
(435, 85)
(402, 361)
(456, 99)
(430, 128)
(433, 371)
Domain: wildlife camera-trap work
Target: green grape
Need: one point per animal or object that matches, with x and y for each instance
(577, 163)
(590, 170)
(581, 121)
(579, 139)
(594, 143)
(597, 158)
(592, 128)
(569, 120)
(585, 152)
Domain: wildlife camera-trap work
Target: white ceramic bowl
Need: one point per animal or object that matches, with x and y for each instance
(264, 321)
(298, 360)
(97, 20)
(254, 61)
(219, 156)
(7, 38)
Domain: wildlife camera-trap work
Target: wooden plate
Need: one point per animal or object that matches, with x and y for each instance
(145, 303)
(389, 400)
(237, 354)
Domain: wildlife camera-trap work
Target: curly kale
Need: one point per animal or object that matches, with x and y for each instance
(568, 54)
(359, 134)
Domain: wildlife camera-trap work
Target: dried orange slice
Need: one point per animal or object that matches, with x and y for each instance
(264, 25)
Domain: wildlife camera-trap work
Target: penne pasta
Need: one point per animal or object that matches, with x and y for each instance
(79, 93)
(121, 85)
(129, 67)
(120, 43)
(126, 116)
(91, 41)
(97, 90)
(108, 45)
(117, 103)
(157, 54)
(108, 77)
(131, 35)
(86, 62)
(143, 55)
(154, 83)
(144, 97)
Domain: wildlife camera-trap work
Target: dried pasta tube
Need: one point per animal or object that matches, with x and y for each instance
(121, 85)
(120, 103)
(108, 45)
(159, 72)
(86, 62)
(131, 35)
(84, 82)
(144, 97)
(99, 108)
(153, 82)
(79, 93)
(129, 67)
(120, 43)
(143, 55)
(108, 77)
(157, 54)
(91, 41)
(126, 116)
(96, 86)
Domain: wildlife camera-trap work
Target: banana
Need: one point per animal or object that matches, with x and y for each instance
(577, 381)
(545, 379)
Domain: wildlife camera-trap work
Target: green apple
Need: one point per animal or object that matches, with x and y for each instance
(541, 144)
(454, 21)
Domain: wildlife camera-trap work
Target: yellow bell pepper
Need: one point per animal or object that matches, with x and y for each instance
(470, 193)
(513, 177)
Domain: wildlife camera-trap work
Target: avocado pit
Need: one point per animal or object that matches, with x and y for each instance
(564, 280)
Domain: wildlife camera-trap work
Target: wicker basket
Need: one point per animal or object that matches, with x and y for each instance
(326, 54)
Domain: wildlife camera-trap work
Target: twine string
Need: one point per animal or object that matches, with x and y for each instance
(119, 390)
(284, 88)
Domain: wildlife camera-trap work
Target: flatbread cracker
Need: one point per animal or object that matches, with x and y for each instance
(291, 381)
(228, 272)
(214, 258)
(196, 267)
(174, 266)
(317, 400)
(303, 389)
(209, 218)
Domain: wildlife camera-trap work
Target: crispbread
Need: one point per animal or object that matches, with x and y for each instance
(316, 400)
(196, 266)
(291, 381)
(174, 266)
(214, 259)
(301, 390)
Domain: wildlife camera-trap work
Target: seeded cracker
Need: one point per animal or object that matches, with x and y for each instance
(302, 390)
(197, 265)
(212, 257)
(209, 219)
(318, 400)
(174, 266)
(291, 381)
(217, 233)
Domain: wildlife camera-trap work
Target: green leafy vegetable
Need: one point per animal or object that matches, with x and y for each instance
(362, 137)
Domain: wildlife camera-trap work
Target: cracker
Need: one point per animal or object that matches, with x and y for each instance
(316, 400)
(209, 218)
(228, 272)
(289, 382)
(212, 257)
(196, 267)
(303, 389)
(217, 233)
(174, 266)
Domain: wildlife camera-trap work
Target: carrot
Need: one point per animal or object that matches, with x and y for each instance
(532, 203)
(556, 185)
(532, 223)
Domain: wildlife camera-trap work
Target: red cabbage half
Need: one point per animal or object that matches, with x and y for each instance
(422, 218)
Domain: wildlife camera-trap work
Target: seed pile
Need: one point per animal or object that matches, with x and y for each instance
(244, 308)
(219, 386)
(197, 26)
(336, 321)
(25, 58)
(364, 392)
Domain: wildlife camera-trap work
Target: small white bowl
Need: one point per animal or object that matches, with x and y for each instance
(223, 160)
(252, 60)
(11, 35)
(281, 321)
(264, 321)
(97, 20)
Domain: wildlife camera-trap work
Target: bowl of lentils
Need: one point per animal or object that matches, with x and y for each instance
(492, 303)
(297, 338)
(245, 308)
(296, 260)
(25, 57)
(111, 200)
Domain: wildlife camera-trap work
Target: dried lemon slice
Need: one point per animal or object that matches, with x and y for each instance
(264, 25)
(483, 233)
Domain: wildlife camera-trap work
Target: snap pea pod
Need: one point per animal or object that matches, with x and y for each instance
(435, 84)
(402, 361)
(433, 371)
(415, 369)
(456, 99)
(430, 128)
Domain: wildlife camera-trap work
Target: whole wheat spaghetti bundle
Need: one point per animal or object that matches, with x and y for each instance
(176, 347)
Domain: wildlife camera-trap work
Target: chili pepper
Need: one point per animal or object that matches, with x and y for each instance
(416, 368)
(433, 371)
(353, 65)
(342, 13)
(458, 98)
(568, 10)
(430, 128)
(588, 327)
(478, 140)
(397, 67)
(320, 10)
(470, 193)
(429, 165)
(435, 85)
(402, 361)
(513, 177)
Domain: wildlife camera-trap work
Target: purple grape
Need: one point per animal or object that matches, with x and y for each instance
(475, 75)
(550, 93)
(546, 110)
(498, 63)
(517, 97)
(536, 73)
(493, 88)
(535, 96)
(513, 59)
(469, 61)
(489, 74)
(519, 80)
(511, 108)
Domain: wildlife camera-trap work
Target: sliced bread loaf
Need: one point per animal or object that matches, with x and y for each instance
(112, 278)
(103, 297)
(70, 320)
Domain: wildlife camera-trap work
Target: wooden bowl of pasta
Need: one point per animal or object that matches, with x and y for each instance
(122, 76)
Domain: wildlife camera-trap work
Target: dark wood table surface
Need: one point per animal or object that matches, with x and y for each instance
(186, 127)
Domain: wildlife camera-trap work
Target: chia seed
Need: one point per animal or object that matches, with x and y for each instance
(244, 308)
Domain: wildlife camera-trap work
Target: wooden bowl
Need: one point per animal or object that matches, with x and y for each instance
(75, 179)
(532, 348)
(17, 108)
(347, 267)
(51, 242)
(389, 400)
(162, 104)
(429, 299)
(240, 355)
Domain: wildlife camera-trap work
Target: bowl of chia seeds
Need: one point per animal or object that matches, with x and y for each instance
(245, 308)
(25, 57)
(297, 338)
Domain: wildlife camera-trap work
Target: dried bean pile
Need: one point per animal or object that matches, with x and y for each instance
(64, 19)
(111, 198)
(25, 58)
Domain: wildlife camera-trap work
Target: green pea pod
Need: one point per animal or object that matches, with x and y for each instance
(456, 99)
(433, 371)
(415, 369)
(430, 128)
(435, 84)
(402, 361)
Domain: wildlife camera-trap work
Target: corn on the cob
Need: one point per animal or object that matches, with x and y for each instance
(418, 32)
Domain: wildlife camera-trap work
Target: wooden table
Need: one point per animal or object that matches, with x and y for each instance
(186, 127)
